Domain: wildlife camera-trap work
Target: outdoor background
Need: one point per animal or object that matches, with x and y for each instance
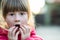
(47, 18)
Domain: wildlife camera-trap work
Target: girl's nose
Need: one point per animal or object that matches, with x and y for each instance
(17, 18)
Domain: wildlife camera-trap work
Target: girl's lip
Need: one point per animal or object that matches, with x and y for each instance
(17, 25)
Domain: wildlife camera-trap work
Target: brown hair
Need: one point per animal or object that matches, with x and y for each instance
(17, 5)
(14, 5)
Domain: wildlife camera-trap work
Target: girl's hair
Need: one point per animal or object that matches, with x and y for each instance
(16, 5)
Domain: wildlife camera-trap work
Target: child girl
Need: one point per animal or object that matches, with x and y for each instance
(18, 18)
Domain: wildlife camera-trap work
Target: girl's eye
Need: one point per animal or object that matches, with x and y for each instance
(11, 14)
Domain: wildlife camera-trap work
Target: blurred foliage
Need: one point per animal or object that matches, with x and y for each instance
(53, 8)
(0, 0)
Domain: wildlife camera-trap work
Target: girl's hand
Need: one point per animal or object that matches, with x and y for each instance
(12, 34)
(25, 32)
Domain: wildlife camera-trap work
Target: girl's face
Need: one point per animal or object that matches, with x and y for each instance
(17, 17)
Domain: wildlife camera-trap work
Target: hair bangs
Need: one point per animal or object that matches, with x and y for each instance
(15, 5)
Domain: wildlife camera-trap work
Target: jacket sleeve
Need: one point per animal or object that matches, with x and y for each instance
(3, 34)
(3, 37)
(33, 36)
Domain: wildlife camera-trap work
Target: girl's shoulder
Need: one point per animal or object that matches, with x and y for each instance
(3, 31)
(34, 36)
(3, 34)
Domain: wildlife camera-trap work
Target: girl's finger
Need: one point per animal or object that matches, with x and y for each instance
(23, 29)
(14, 31)
(17, 34)
(10, 29)
(27, 28)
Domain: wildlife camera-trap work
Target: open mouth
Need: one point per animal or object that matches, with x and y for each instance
(17, 25)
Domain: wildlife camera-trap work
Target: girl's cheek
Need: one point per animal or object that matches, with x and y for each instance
(24, 20)
(9, 21)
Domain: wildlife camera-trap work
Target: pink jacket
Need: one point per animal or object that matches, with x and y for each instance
(4, 33)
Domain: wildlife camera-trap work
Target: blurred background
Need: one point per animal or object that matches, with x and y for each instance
(47, 18)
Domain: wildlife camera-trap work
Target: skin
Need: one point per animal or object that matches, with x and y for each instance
(21, 18)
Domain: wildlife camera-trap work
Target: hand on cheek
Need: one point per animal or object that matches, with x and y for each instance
(12, 34)
(25, 31)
